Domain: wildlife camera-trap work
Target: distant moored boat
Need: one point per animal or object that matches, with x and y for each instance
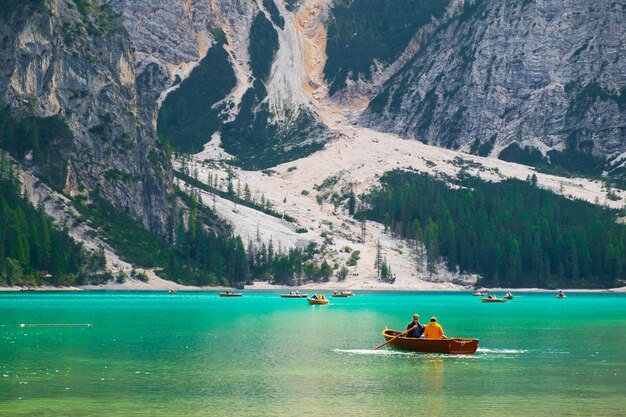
(493, 299)
(294, 295)
(230, 294)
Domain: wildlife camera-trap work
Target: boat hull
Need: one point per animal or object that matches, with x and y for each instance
(318, 302)
(230, 295)
(455, 346)
(493, 300)
(294, 295)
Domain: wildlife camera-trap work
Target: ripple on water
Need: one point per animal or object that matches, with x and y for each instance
(388, 353)
(374, 352)
(502, 351)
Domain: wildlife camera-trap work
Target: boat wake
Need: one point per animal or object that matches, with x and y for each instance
(373, 352)
(503, 351)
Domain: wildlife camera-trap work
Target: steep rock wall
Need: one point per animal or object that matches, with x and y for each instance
(267, 117)
(74, 60)
(545, 73)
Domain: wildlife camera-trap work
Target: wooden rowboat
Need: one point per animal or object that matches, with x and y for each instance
(230, 294)
(294, 295)
(456, 345)
(318, 301)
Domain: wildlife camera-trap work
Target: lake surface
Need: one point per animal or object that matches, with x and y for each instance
(195, 353)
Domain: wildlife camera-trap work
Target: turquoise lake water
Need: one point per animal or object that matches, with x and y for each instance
(155, 354)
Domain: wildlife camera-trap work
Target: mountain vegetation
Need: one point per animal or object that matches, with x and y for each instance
(512, 233)
(566, 163)
(7, 6)
(41, 141)
(362, 31)
(187, 118)
(33, 250)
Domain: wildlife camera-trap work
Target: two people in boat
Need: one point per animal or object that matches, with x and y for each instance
(432, 330)
(294, 293)
(318, 297)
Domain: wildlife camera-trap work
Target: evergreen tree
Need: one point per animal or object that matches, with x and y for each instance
(325, 271)
(378, 258)
(351, 204)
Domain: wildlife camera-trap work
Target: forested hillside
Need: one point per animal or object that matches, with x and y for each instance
(512, 233)
(32, 250)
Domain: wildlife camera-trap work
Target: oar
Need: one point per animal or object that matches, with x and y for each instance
(395, 337)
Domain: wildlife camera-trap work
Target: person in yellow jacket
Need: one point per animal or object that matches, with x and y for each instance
(433, 330)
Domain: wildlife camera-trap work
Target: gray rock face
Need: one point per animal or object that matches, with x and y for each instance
(75, 60)
(545, 73)
(176, 33)
(163, 32)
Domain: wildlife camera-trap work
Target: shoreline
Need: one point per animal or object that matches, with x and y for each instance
(264, 286)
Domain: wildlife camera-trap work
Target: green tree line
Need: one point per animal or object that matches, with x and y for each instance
(32, 250)
(291, 268)
(512, 233)
(224, 260)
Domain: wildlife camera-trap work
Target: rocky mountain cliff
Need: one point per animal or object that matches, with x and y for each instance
(74, 60)
(475, 75)
(544, 74)
(240, 63)
(272, 80)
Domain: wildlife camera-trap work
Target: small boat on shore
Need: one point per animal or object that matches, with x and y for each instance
(480, 293)
(344, 294)
(455, 345)
(171, 292)
(294, 295)
(230, 294)
(318, 300)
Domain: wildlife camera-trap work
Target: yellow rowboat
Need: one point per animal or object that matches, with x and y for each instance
(318, 301)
